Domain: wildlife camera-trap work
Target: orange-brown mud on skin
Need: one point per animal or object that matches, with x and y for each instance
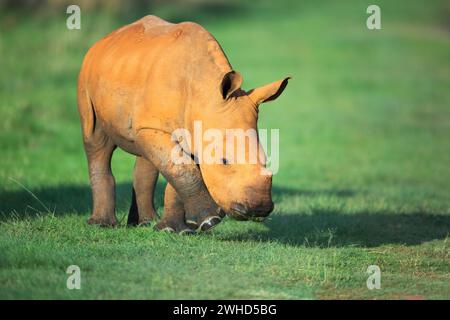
(140, 83)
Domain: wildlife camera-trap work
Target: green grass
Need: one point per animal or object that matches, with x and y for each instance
(364, 150)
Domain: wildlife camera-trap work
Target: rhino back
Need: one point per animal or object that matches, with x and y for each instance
(139, 75)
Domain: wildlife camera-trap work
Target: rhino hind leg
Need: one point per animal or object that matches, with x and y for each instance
(99, 149)
(173, 218)
(142, 209)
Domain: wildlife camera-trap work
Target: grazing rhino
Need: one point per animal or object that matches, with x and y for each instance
(139, 84)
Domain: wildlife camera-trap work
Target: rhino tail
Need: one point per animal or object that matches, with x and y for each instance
(87, 113)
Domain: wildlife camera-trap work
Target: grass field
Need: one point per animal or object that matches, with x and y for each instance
(364, 150)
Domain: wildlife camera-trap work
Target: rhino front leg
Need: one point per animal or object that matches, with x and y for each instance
(173, 218)
(201, 210)
(142, 209)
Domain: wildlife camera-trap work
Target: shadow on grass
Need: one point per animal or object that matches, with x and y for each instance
(334, 229)
(64, 199)
(321, 228)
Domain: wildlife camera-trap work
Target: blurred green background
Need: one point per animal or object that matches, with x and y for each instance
(364, 151)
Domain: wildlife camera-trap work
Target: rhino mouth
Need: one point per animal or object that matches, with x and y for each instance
(257, 219)
(237, 215)
(239, 212)
(240, 217)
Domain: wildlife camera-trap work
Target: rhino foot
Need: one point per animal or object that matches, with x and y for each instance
(187, 232)
(145, 223)
(102, 222)
(210, 223)
(172, 227)
(206, 220)
(168, 230)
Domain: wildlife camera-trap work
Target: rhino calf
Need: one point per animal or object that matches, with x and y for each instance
(139, 84)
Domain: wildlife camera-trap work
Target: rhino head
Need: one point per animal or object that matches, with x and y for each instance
(241, 188)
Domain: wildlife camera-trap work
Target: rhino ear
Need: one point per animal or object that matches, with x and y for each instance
(230, 83)
(269, 92)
